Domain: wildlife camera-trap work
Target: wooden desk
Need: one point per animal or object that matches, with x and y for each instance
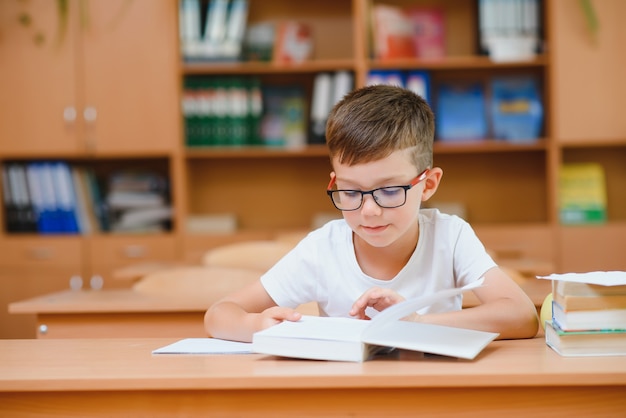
(120, 377)
(119, 313)
(115, 313)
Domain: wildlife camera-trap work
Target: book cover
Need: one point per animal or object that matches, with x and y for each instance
(86, 217)
(347, 339)
(385, 77)
(65, 194)
(428, 32)
(461, 112)
(582, 193)
(321, 104)
(284, 121)
(392, 33)
(293, 43)
(235, 29)
(11, 223)
(585, 343)
(516, 108)
(189, 28)
(20, 214)
(419, 83)
(258, 43)
(41, 184)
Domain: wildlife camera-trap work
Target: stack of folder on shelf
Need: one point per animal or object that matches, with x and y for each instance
(46, 197)
(588, 314)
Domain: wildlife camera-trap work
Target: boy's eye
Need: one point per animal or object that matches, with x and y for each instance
(350, 194)
(390, 191)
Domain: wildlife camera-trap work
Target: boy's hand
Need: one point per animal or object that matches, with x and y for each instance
(276, 315)
(376, 297)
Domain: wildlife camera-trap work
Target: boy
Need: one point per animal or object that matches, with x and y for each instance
(385, 249)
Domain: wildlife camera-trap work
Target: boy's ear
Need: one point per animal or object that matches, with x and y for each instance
(431, 183)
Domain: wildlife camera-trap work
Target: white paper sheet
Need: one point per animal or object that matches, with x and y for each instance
(604, 278)
(205, 346)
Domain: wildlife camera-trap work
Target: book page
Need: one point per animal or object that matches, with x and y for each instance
(403, 309)
(320, 328)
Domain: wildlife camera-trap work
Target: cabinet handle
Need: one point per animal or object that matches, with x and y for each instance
(96, 282)
(69, 114)
(90, 114)
(135, 251)
(76, 282)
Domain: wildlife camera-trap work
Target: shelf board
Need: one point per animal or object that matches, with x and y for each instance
(456, 63)
(594, 143)
(313, 66)
(87, 157)
(488, 146)
(256, 152)
(233, 68)
(452, 147)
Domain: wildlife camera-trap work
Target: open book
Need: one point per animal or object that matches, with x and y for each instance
(346, 339)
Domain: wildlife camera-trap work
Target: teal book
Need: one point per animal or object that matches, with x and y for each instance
(585, 343)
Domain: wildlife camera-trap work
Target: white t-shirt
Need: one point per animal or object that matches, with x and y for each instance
(323, 267)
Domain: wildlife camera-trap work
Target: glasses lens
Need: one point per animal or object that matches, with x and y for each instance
(347, 199)
(390, 197)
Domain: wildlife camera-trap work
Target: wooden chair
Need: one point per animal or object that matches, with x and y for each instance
(258, 255)
(208, 283)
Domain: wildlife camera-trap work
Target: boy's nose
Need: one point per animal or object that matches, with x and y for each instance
(369, 205)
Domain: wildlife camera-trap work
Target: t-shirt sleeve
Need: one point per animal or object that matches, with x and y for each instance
(471, 260)
(292, 280)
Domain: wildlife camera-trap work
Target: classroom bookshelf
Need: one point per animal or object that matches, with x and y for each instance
(509, 190)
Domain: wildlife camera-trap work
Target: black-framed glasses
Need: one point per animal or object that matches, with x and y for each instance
(386, 197)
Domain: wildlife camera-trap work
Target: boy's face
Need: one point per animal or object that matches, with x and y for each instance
(377, 226)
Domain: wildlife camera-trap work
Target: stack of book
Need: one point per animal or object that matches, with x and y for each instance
(588, 314)
(222, 111)
(212, 30)
(138, 201)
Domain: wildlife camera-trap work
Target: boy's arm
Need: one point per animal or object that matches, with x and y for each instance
(238, 316)
(504, 309)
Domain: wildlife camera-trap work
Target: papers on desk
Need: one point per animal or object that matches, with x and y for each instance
(601, 278)
(205, 346)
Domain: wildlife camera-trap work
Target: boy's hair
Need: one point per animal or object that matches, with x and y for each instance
(372, 122)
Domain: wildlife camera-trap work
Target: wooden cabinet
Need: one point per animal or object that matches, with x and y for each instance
(98, 90)
(95, 84)
(34, 266)
(588, 88)
(106, 254)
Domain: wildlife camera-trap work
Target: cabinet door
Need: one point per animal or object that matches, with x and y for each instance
(34, 266)
(108, 254)
(130, 69)
(37, 79)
